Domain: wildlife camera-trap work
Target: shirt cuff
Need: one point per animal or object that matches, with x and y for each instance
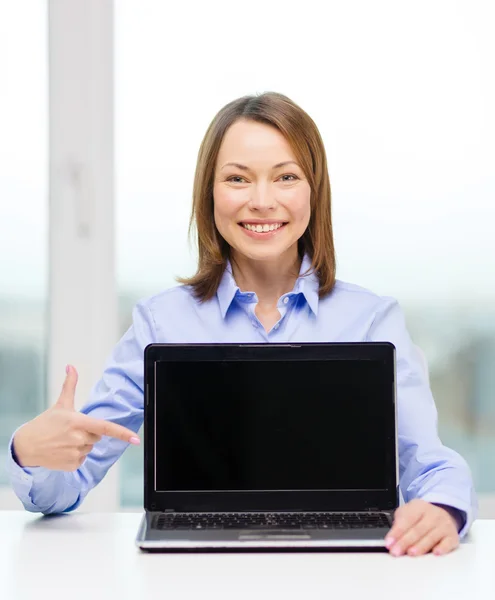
(23, 474)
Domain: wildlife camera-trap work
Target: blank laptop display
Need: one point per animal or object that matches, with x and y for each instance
(258, 425)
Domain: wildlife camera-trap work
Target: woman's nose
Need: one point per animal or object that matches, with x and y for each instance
(262, 197)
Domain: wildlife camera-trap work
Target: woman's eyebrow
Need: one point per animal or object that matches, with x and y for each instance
(244, 168)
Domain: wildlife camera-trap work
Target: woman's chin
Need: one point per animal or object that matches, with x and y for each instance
(262, 252)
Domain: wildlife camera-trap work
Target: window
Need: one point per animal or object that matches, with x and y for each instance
(402, 96)
(23, 216)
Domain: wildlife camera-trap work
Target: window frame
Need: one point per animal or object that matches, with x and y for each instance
(83, 299)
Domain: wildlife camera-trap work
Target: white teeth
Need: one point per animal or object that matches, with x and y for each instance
(262, 228)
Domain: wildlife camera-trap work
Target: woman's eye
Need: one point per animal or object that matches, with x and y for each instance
(239, 179)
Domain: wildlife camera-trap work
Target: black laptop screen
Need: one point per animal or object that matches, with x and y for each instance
(271, 425)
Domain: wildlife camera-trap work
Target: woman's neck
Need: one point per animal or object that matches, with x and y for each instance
(268, 279)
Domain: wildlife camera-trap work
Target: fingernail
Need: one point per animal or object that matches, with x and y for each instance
(412, 551)
(396, 551)
(67, 369)
(437, 551)
(389, 542)
(134, 440)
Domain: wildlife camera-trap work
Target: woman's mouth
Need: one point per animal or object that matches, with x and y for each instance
(262, 229)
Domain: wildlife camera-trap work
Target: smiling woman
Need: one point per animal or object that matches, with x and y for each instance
(266, 274)
(267, 205)
(262, 174)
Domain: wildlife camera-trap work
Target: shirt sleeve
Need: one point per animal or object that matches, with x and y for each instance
(427, 469)
(117, 397)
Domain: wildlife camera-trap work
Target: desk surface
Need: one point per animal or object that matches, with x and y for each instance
(93, 556)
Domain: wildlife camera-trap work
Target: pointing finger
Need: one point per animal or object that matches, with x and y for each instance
(102, 427)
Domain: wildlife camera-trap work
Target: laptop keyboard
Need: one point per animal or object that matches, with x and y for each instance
(264, 520)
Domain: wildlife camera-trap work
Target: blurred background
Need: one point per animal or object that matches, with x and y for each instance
(116, 97)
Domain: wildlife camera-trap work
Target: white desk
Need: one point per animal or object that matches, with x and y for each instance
(93, 556)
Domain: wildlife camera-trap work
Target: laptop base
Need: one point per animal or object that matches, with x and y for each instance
(274, 540)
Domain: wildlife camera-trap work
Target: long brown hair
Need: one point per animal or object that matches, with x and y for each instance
(304, 138)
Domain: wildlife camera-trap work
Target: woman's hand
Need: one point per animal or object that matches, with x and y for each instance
(419, 527)
(60, 438)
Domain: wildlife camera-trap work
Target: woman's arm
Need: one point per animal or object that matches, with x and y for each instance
(427, 469)
(116, 397)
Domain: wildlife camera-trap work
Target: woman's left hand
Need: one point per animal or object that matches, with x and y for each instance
(419, 527)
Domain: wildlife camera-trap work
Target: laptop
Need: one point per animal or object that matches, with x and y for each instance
(269, 446)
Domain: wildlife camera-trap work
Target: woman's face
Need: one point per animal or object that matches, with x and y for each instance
(261, 196)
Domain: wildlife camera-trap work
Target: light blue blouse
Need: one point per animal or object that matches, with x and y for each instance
(427, 469)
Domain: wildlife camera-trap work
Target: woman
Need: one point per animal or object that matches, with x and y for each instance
(266, 272)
